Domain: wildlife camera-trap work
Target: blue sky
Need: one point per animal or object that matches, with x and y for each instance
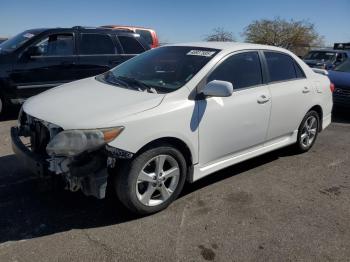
(177, 20)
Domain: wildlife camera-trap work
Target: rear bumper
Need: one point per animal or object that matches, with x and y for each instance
(33, 162)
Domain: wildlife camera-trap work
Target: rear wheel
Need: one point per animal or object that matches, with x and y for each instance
(151, 181)
(308, 131)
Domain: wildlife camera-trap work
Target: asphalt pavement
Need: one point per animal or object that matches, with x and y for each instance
(277, 207)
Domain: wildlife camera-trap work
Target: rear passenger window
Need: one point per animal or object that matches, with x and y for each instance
(146, 35)
(95, 44)
(130, 45)
(242, 70)
(280, 66)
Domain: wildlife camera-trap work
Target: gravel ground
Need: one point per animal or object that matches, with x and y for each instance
(277, 207)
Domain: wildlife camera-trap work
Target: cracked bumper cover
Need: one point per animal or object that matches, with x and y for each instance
(90, 170)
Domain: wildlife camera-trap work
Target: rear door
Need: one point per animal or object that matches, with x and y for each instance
(291, 94)
(55, 65)
(98, 52)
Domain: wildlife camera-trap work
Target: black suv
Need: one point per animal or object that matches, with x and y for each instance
(39, 59)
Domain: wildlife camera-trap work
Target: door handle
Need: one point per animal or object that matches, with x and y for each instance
(263, 99)
(306, 90)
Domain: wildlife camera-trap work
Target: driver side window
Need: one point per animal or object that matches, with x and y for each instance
(242, 70)
(57, 45)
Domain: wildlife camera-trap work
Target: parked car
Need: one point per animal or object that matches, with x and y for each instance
(39, 59)
(340, 77)
(326, 58)
(2, 40)
(174, 113)
(148, 34)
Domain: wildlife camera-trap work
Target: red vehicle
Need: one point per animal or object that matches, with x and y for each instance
(148, 34)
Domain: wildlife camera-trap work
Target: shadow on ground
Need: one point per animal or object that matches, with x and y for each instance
(27, 212)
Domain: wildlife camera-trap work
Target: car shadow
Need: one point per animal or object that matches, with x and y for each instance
(341, 115)
(28, 212)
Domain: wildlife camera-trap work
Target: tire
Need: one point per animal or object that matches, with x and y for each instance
(152, 180)
(307, 132)
(2, 105)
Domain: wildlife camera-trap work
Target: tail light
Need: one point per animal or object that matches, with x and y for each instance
(332, 87)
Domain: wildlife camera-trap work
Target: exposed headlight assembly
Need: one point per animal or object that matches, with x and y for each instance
(74, 142)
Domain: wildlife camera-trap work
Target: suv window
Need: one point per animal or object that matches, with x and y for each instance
(146, 35)
(130, 45)
(96, 44)
(242, 70)
(281, 67)
(57, 45)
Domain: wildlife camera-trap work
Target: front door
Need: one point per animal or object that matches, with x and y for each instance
(230, 125)
(54, 65)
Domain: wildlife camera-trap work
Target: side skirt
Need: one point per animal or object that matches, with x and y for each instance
(202, 171)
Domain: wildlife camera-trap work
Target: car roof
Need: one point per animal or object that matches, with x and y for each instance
(330, 50)
(230, 46)
(85, 29)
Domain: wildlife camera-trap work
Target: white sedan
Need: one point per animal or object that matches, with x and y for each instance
(174, 113)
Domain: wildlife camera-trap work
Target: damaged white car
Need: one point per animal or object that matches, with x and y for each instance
(174, 113)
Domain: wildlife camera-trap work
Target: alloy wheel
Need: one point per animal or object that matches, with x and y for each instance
(309, 131)
(157, 180)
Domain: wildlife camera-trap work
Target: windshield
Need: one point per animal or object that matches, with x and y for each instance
(320, 55)
(16, 41)
(163, 69)
(343, 67)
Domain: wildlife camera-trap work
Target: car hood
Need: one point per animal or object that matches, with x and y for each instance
(89, 103)
(339, 78)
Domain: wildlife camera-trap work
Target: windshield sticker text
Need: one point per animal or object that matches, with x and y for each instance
(201, 53)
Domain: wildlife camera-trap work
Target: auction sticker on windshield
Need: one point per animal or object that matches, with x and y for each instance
(201, 53)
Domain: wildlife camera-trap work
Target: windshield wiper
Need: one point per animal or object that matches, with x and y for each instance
(137, 82)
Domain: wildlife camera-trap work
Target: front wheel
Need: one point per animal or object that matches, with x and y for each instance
(308, 131)
(151, 181)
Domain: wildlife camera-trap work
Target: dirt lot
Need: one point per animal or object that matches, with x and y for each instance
(278, 207)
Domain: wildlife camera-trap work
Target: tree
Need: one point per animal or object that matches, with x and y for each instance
(297, 36)
(220, 35)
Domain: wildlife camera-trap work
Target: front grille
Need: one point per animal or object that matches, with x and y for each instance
(39, 137)
(341, 91)
(39, 132)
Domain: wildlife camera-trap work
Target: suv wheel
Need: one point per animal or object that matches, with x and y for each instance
(308, 131)
(1, 105)
(151, 181)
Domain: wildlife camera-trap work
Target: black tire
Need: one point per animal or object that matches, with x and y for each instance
(2, 105)
(126, 179)
(300, 147)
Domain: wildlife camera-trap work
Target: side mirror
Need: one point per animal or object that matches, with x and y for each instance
(218, 88)
(33, 51)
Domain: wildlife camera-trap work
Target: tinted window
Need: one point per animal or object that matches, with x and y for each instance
(242, 70)
(280, 66)
(146, 35)
(299, 72)
(94, 44)
(60, 44)
(130, 45)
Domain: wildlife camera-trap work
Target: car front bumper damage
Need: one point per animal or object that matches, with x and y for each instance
(87, 172)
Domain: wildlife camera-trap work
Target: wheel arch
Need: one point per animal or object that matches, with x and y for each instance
(179, 145)
(319, 111)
